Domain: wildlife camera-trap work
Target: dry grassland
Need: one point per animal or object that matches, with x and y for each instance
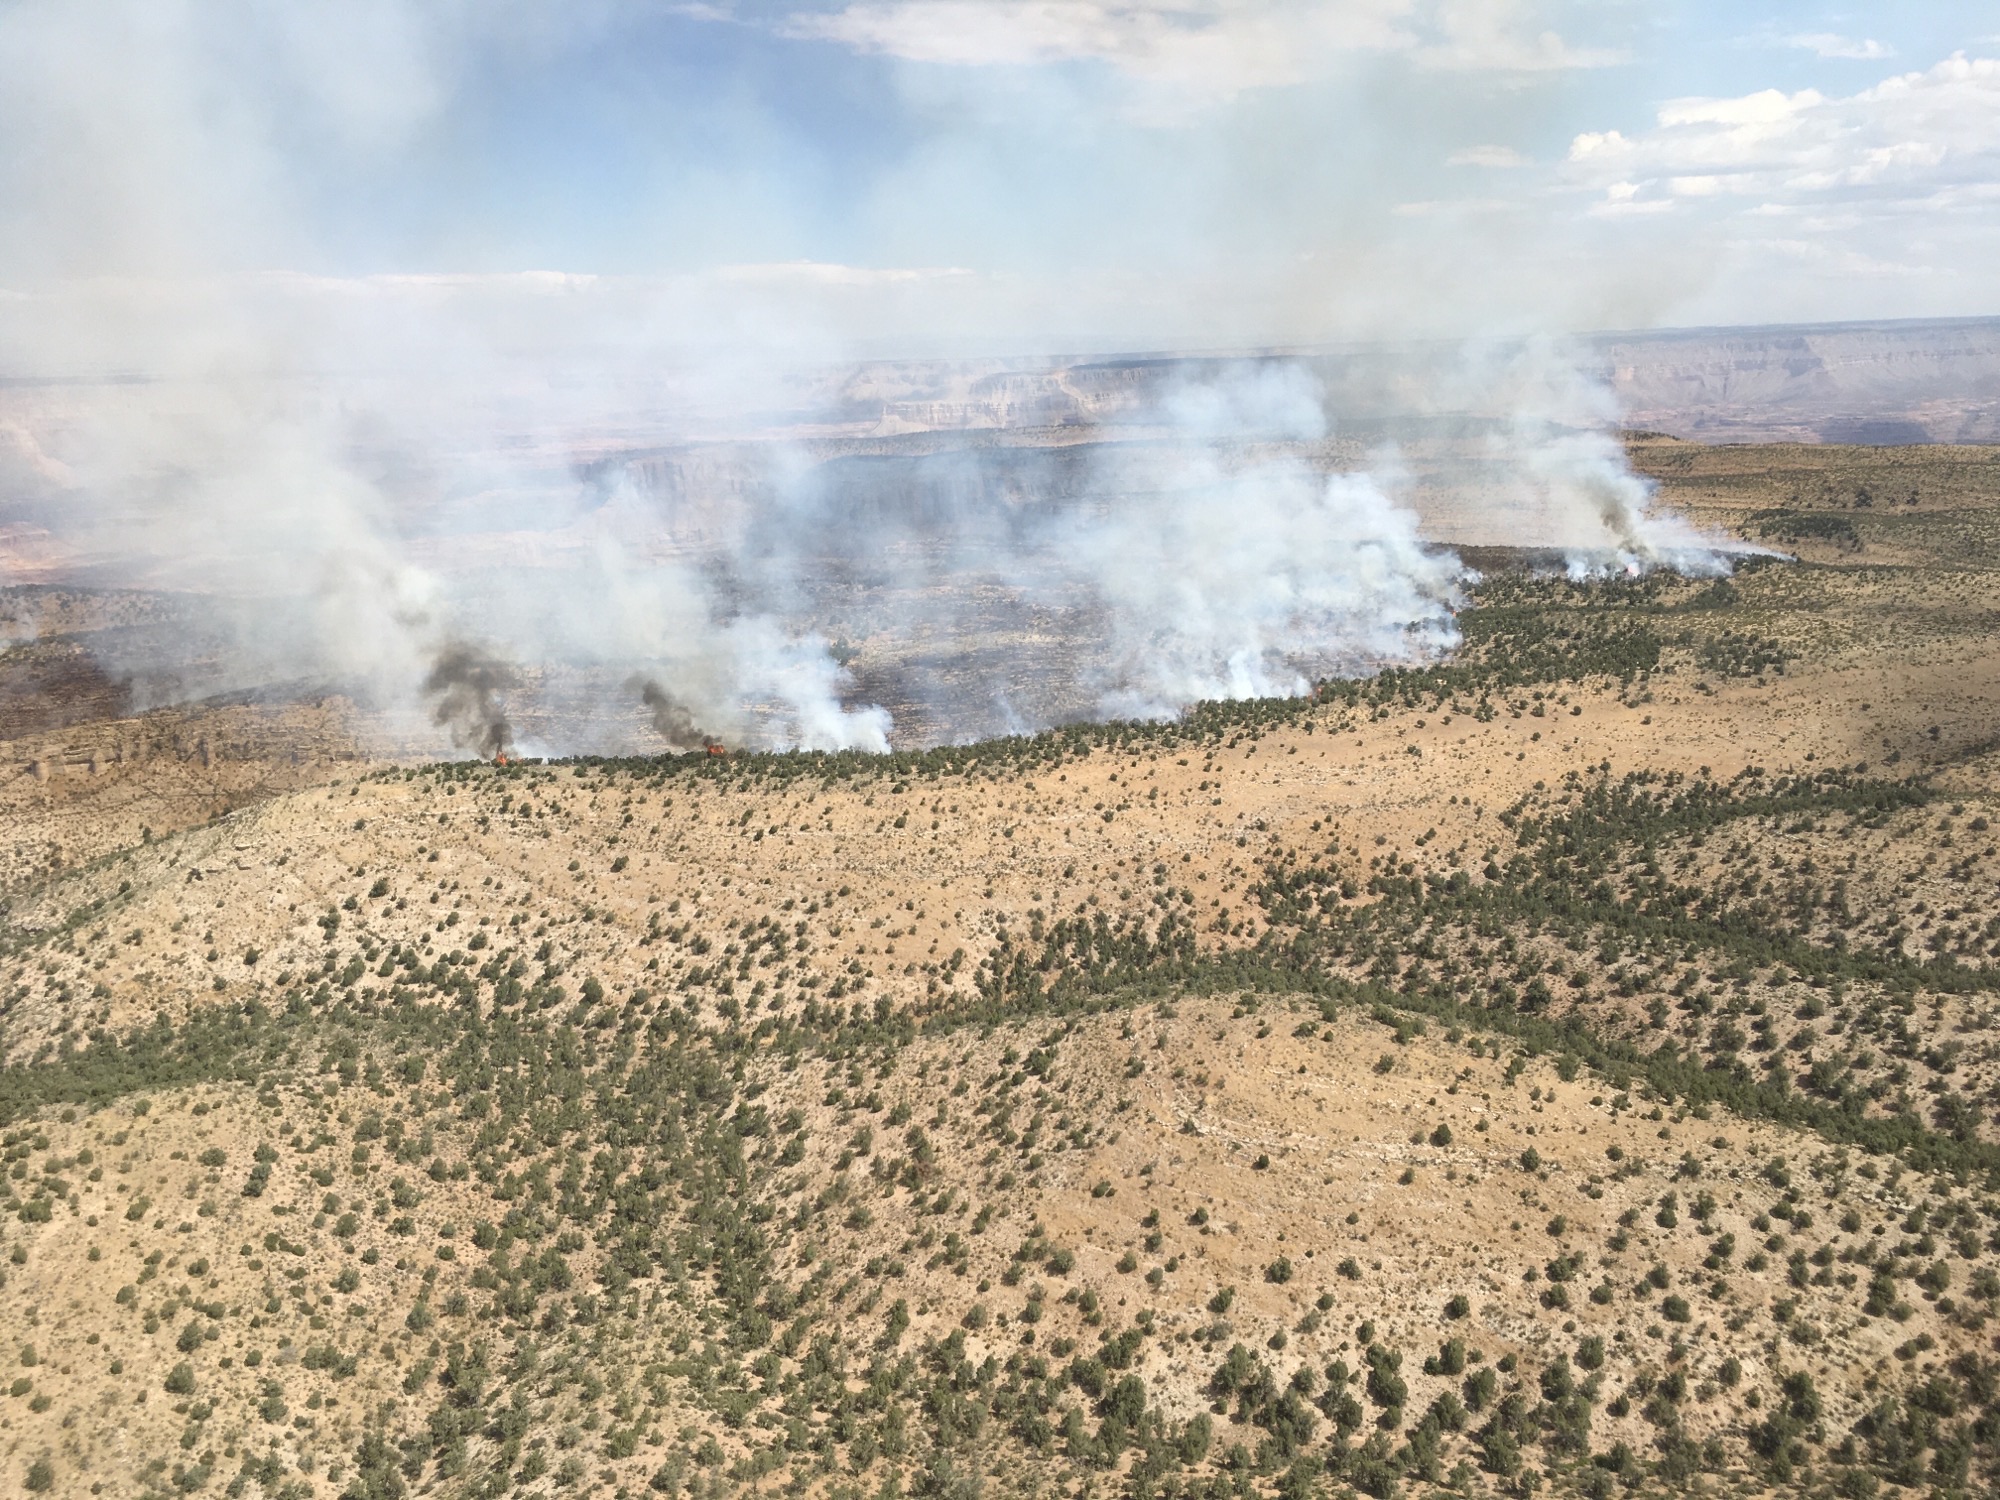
(860, 1127)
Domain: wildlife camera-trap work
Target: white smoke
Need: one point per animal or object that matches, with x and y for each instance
(1202, 554)
(372, 481)
(1610, 523)
(1559, 473)
(793, 675)
(1207, 548)
(1244, 573)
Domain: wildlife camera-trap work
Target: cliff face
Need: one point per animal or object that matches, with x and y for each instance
(1869, 383)
(1932, 381)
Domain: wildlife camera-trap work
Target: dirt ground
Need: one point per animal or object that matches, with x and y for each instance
(1291, 1173)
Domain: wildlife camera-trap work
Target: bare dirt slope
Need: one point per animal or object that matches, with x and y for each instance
(1568, 1067)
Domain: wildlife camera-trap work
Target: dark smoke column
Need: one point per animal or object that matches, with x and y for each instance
(464, 680)
(673, 719)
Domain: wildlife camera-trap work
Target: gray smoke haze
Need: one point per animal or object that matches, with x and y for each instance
(1217, 535)
(654, 500)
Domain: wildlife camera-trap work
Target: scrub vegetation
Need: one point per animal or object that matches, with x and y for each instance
(1569, 1068)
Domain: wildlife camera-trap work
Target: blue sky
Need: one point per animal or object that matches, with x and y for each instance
(959, 172)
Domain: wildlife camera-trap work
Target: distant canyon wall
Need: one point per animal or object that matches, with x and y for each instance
(1933, 381)
(1868, 383)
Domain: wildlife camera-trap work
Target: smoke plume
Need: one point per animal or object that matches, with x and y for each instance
(466, 683)
(673, 720)
(1235, 570)
(1569, 475)
(663, 494)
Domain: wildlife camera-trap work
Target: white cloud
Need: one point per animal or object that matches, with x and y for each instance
(1459, 209)
(1805, 205)
(1501, 36)
(1754, 111)
(1210, 47)
(1621, 199)
(1220, 46)
(1924, 137)
(1503, 157)
(829, 274)
(1833, 259)
(1829, 45)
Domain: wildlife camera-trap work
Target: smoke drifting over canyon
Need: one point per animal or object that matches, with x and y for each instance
(548, 513)
(1213, 532)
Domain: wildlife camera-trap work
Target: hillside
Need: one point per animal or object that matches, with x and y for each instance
(1569, 1067)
